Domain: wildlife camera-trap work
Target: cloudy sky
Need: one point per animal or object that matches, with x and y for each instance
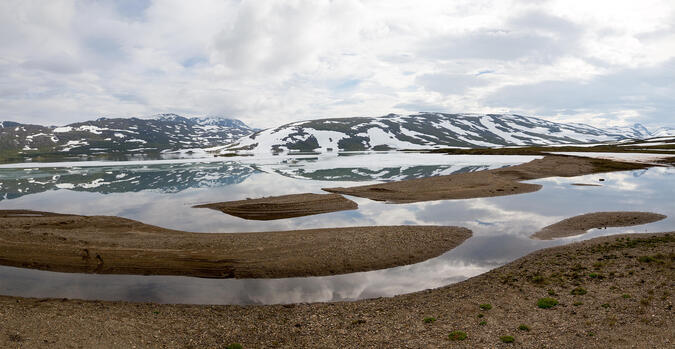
(271, 62)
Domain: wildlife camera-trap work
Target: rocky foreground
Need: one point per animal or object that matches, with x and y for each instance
(613, 291)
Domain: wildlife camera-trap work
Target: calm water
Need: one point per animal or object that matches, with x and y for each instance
(162, 193)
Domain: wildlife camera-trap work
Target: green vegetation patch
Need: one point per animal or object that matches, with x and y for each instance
(457, 336)
(485, 306)
(507, 339)
(547, 302)
(578, 291)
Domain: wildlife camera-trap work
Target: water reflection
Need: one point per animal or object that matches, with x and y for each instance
(501, 226)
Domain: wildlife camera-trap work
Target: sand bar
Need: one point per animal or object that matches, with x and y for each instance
(114, 245)
(488, 183)
(578, 225)
(286, 206)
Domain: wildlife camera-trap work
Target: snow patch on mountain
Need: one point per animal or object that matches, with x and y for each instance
(424, 131)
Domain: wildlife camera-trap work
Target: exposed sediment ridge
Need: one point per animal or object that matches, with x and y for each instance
(578, 225)
(286, 206)
(625, 302)
(114, 245)
(488, 183)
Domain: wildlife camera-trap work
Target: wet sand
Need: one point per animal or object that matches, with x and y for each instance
(286, 206)
(489, 183)
(113, 245)
(579, 225)
(628, 284)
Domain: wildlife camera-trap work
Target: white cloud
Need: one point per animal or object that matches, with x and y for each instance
(270, 62)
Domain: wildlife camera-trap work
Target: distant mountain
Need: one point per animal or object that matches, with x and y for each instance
(132, 136)
(664, 132)
(425, 130)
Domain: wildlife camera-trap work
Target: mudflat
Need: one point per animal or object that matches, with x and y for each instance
(611, 292)
(580, 224)
(286, 206)
(114, 245)
(497, 182)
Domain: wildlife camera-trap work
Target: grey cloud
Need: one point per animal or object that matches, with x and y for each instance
(61, 64)
(649, 90)
(132, 9)
(449, 83)
(535, 35)
(420, 106)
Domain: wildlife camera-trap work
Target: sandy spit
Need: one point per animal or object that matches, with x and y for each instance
(498, 182)
(623, 299)
(578, 225)
(113, 245)
(286, 206)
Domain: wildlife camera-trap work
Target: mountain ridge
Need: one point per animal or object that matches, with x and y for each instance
(427, 130)
(118, 136)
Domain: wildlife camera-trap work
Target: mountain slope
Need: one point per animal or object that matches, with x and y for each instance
(423, 131)
(164, 132)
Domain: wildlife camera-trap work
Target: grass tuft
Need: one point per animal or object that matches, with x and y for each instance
(547, 302)
(485, 306)
(457, 336)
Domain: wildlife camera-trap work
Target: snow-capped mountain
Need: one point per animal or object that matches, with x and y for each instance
(664, 132)
(162, 132)
(424, 131)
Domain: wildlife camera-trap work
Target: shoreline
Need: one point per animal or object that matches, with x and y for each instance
(623, 294)
(487, 183)
(284, 206)
(579, 225)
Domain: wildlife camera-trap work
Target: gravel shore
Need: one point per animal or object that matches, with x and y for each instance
(611, 292)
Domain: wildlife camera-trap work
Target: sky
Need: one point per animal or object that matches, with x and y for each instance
(267, 63)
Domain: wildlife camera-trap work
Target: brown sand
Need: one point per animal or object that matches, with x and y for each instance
(498, 182)
(286, 206)
(578, 225)
(628, 304)
(113, 245)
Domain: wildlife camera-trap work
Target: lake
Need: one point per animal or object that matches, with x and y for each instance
(162, 193)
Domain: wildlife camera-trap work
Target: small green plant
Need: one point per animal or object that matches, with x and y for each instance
(483, 323)
(507, 339)
(457, 336)
(646, 259)
(625, 295)
(156, 312)
(524, 327)
(547, 302)
(551, 293)
(485, 306)
(578, 291)
(538, 279)
(605, 305)
(428, 320)
(358, 322)
(480, 315)
(576, 304)
(595, 276)
(234, 346)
